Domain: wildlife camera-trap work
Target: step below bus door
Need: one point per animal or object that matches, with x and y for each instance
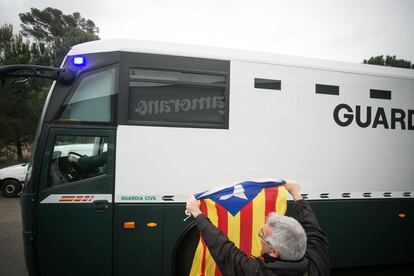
(75, 209)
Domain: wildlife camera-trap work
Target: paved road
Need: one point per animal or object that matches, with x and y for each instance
(12, 261)
(11, 244)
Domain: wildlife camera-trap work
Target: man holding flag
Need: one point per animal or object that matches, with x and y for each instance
(288, 247)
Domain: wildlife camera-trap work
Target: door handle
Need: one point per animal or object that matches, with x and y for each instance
(100, 205)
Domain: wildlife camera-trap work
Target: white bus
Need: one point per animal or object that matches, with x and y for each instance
(178, 119)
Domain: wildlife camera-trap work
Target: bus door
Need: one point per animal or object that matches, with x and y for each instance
(74, 211)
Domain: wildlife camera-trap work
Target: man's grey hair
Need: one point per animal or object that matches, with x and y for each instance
(288, 237)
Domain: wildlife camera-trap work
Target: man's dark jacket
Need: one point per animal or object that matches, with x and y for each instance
(232, 261)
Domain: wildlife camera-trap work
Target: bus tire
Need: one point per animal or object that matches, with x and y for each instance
(185, 250)
(10, 188)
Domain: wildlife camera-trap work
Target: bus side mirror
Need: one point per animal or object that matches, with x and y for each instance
(62, 75)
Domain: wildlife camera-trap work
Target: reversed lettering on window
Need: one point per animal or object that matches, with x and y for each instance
(181, 105)
(177, 103)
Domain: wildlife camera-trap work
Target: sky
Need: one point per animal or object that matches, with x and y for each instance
(345, 30)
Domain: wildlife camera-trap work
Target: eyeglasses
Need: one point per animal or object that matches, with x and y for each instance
(262, 236)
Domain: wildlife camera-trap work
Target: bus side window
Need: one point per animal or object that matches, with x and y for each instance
(76, 158)
(175, 98)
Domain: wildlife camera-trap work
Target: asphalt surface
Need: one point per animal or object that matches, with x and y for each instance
(11, 243)
(12, 260)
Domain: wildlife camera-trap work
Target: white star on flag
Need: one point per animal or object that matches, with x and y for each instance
(237, 192)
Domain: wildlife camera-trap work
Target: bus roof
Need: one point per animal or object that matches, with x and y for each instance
(167, 48)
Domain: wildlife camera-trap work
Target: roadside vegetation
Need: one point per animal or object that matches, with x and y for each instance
(45, 38)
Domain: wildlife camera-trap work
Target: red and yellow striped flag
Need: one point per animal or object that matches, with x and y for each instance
(239, 212)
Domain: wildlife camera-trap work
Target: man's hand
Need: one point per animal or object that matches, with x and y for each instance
(192, 206)
(294, 190)
(73, 158)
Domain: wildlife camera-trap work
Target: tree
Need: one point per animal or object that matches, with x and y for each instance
(57, 31)
(21, 101)
(46, 37)
(389, 61)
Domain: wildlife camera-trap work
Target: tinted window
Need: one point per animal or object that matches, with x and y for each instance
(380, 94)
(267, 84)
(92, 99)
(157, 75)
(326, 89)
(158, 97)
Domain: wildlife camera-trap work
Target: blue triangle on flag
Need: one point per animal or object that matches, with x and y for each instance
(234, 198)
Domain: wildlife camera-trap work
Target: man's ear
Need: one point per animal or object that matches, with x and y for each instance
(274, 253)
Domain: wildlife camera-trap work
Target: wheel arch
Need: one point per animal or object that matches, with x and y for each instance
(10, 178)
(183, 249)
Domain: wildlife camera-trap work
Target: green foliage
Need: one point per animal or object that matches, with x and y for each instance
(21, 100)
(57, 31)
(391, 61)
(45, 39)
(13, 49)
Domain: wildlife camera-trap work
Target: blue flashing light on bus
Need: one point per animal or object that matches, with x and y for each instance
(79, 61)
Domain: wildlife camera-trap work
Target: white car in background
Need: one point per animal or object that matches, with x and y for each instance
(12, 179)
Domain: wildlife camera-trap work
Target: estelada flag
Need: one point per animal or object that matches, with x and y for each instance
(239, 212)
